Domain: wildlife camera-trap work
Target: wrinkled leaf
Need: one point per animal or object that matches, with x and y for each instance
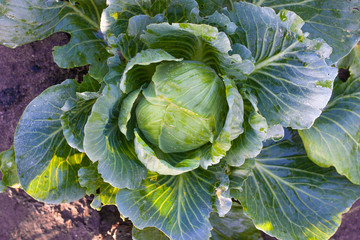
(238, 175)
(77, 111)
(223, 201)
(289, 197)
(198, 42)
(141, 68)
(103, 192)
(116, 69)
(250, 143)
(118, 163)
(46, 164)
(128, 43)
(221, 21)
(180, 10)
(116, 17)
(207, 7)
(128, 46)
(8, 169)
(291, 79)
(235, 225)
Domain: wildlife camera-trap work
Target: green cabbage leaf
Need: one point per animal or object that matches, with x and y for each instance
(334, 138)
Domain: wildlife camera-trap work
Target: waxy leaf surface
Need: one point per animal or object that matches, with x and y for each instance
(289, 197)
(235, 225)
(177, 205)
(77, 111)
(47, 165)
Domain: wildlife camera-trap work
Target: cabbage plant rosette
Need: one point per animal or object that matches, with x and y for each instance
(176, 112)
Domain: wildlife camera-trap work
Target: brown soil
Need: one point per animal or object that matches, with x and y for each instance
(24, 73)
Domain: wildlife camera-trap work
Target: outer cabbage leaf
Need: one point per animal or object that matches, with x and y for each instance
(22, 22)
(221, 21)
(8, 169)
(334, 138)
(148, 234)
(337, 22)
(177, 205)
(235, 225)
(104, 193)
(128, 43)
(223, 201)
(289, 197)
(116, 69)
(137, 24)
(128, 46)
(103, 142)
(47, 165)
(291, 79)
(116, 18)
(208, 7)
(181, 10)
(77, 111)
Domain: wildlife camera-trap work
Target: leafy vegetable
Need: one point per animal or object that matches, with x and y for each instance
(184, 108)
